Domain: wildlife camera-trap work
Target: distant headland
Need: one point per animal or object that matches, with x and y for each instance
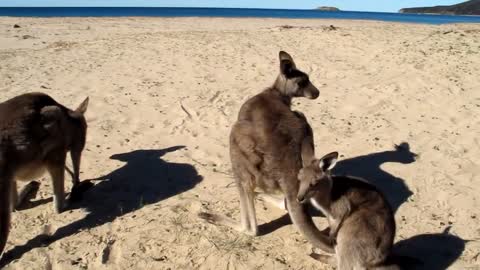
(324, 8)
(471, 7)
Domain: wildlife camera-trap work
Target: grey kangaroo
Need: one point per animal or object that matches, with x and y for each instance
(361, 222)
(36, 133)
(266, 152)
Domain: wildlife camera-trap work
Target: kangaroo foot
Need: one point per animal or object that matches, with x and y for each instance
(27, 193)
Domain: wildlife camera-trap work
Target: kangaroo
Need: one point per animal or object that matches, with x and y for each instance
(36, 133)
(266, 152)
(361, 222)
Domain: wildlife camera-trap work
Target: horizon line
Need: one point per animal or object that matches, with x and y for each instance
(303, 9)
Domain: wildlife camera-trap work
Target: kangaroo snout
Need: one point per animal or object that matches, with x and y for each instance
(311, 92)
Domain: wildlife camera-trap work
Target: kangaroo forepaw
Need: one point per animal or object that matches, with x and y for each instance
(332, 235)
(325, 231)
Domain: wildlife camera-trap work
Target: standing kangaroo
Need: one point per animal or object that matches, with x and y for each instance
(266, 152)
(36, 133)
(361, 221)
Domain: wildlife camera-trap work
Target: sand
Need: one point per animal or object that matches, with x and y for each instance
(164, 93)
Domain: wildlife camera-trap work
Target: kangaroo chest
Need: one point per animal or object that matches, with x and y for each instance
(325, 211)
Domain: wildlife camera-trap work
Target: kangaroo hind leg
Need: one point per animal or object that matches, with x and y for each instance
(56, 168)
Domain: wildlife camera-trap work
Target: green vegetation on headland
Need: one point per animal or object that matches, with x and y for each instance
(471, 7)
(328, 9)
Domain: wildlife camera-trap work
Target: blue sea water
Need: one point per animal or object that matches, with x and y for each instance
(229, 12)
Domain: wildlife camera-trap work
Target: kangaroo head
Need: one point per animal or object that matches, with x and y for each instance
(316, 175)
(78, 127)
(292, 82)
(403, 154)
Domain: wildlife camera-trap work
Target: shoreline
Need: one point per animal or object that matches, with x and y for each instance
(233, 13)
(326, 20)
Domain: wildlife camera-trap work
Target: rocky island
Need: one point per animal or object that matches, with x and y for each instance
(323, 8)
(471, 7)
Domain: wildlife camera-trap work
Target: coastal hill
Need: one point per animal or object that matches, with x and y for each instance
(324, 8)
(471, 7)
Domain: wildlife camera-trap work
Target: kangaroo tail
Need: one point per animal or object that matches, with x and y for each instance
(307, 228)
(5, 211)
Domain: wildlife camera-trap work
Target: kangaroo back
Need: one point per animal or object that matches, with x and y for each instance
(5, 186)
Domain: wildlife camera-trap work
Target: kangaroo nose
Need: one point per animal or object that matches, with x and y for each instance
(315, 94)
(300, 199)
(311, 92)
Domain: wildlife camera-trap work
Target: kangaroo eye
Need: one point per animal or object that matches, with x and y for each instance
(303, 83)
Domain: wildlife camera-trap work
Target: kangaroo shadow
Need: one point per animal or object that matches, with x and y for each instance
(434, 251)
(144, 179)
(369, 168)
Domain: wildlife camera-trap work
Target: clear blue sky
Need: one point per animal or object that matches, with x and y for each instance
(359, 5)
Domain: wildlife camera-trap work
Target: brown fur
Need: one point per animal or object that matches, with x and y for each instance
(36, 133)
(266, 151)
(360, 219)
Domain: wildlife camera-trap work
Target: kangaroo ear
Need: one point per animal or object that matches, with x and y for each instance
(83, 107)
(404, 146)
(328, 161)
(286, 62)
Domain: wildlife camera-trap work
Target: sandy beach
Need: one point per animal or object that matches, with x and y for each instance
(164, 93)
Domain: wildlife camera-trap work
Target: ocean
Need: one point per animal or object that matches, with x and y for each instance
(229, 13)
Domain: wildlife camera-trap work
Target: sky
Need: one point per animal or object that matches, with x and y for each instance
(357, 5)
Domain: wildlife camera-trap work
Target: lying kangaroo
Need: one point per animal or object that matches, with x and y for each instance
(266, 152)
(360, 219)
(36, 133)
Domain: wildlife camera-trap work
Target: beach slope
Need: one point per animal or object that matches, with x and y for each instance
(164, 93)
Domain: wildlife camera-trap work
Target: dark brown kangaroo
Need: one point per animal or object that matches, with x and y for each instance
(266, 152)
(36, 133)
(360, 219)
